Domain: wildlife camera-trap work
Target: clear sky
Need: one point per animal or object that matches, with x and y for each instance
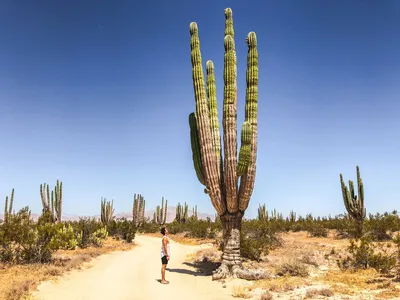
(98, 93)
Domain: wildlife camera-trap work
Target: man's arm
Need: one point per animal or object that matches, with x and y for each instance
(165, 247)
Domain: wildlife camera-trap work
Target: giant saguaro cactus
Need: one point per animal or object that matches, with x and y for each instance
(219, 173)
(52, 205)
(107, 211)
(8, 207)
(138, 210)
(354, 203)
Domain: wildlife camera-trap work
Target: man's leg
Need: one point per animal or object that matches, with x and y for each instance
(163, 267)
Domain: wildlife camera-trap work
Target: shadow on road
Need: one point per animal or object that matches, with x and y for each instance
(204, 268)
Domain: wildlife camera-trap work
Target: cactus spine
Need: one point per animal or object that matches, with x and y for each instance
(52, 205)
(8, 207)
(138, 210)
(354, 203)
(160, 216)
(107, 211)
(220, 174)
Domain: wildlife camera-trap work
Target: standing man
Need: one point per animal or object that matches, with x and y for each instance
(165, 253)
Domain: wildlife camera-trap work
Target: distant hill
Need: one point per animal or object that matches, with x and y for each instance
(148, 214)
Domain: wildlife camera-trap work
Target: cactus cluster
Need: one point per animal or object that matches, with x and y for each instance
(160, 215)
(107, 211)
(8, 207)
(181, 213)
(138, 210)
(220, 175)
(354, 203)
(53, 204)
(262, 213)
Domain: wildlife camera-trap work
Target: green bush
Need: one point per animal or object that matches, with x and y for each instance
(258, 238)
(363, 256)
(23, 241)
(316, 229)
(64, 238)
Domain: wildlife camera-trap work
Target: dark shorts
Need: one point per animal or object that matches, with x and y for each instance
(164, 260)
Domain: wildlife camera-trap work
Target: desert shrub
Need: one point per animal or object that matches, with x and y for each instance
(363, 255)
(292, 268)
(175, 227)
(311, 293)
(150, 227)
(316, 229)
(257, 238)
(201, 229)
(84, 230)
(125, 230)
(98, 237)
(23, 241)
(64, 237)
(347, 227)
(266, 296)
(381, 226)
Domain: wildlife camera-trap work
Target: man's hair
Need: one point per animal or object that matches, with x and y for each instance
(163, 231)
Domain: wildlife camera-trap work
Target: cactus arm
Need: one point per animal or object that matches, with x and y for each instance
(251, 115)
(213, 109)
(245, 149)
(165, 212)
(11, 202)
(209, 160)
(6, 210)
(230, 115)
(360, 192)
(196, 151)
(60, 195)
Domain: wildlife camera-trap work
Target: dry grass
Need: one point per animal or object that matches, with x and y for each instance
(240, 292)
(281, 284)
(17, 281)
(311, 293)
(266, 296)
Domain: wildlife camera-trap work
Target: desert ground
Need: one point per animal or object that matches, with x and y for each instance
(135, 274)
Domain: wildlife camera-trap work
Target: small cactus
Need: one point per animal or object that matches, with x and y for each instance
(107, 211)
(8, 207)
(161, 213)
(52, 204)
(354, 203)
(138, 210)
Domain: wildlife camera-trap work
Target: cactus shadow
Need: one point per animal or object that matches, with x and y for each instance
(202, 268)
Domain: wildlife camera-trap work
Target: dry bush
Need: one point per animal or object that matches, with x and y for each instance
(266, 296)
(309, 260)
(311, 293)
(240, 292)
(292, 268)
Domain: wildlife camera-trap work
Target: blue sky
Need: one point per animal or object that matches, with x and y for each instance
(97, 93)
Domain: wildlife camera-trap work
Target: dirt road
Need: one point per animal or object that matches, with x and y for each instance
(135, 275)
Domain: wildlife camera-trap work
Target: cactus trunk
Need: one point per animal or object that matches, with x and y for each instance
(221, 175)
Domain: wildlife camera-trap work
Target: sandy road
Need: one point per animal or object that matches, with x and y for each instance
(135, 275)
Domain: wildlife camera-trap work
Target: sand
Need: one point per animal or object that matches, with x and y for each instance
(135, 275)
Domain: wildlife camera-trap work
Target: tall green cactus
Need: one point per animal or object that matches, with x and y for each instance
(220, 174)
(354, 203)
(262, 213)
(138, 210)
(8, 207)
(52, 204)
(107, 211)
(181, 215)
(161, 213)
